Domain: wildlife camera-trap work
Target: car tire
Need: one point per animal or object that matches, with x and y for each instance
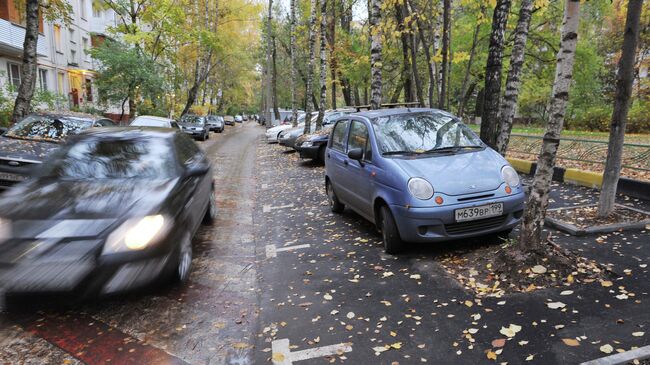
(393, 243)
(335, 205)
(211, 213)
(320, 157)
(183, 259)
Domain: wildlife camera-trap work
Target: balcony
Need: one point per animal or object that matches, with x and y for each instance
(12, 37)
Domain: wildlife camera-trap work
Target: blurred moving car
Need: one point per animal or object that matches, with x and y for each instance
(239, 119)
(28, 142)
(229, 120)
(195, 126)
(152, 121)
(215, 123)
(112, 210)
(421, 176)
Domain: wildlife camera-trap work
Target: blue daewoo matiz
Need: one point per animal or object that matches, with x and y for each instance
(421, 176)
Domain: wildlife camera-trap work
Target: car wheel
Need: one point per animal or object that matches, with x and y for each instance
(211, 212)
(184, 259)
(207, 135)
(321, 154)
(335, 205)
(393, 244)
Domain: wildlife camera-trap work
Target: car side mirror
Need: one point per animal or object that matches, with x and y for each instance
(197, 169)
(356, 154)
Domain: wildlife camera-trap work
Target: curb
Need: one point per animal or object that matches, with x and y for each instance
(626, 357)
(634, 188)
(605, 228)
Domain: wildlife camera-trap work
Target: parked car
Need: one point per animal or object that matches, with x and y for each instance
(273, 133)
(28, 142)
(313, 145)
(421, 176)
(229, 120)
(111, 211)
(152, 121)
(195, 126)
(239, 119)
(215, 123)
(288, 138)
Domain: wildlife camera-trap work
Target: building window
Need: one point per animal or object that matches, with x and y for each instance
(82, 6)
(57, 37)
(72, 40)
(97, 10)
(60, 82)
(42, 79)
(84, 43)
(73, 57)
(13, 71)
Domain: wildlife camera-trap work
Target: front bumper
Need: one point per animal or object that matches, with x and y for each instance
(287, 141)
(310, 152)
(436, 224)
(194, 133)
(271, 137)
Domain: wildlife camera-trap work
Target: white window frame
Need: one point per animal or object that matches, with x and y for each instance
(42, 79)
(11, 76)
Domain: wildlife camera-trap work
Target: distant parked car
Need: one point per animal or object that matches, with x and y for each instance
(215, 123)
(28, 142)
(421, 176)
(273, 133)
(229, 120)
(289, 138)
(113, 210)
(152, 121)
(239, 119)
(313, 145)
(195, 126)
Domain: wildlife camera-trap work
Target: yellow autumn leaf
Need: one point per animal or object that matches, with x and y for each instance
(491, 355)
(571, 342)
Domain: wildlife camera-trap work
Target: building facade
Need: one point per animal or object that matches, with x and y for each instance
(64, 66)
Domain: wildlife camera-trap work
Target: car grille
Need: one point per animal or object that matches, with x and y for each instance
(475, 226)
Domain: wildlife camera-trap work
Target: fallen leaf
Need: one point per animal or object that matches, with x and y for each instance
(556, 305)
(567, 292)
(530, 357)
(396, 345)
(469, 303)
(607, 348)
(510, 331)
(638, 334)
(350, 315)
(538, 269)
(327, 296)
(606, 283)
(571, 342)
(491, 355)
(499, 342)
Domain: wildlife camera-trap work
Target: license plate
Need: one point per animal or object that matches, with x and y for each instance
(480, 212)
(11, 177)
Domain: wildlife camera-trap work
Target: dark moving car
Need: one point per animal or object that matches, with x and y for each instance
(28, 142)
(112, 210)
(215, 123)
(195, 126)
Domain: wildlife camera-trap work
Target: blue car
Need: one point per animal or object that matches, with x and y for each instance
(421, 176)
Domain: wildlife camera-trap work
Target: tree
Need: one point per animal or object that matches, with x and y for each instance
(446, 24)
(624, 82)
(472, 52)
(269, 45)
(375, 54)
(513, 81)
(531, 228)
(492, 96)
(310, 63)
(292, 51)
(323, 64)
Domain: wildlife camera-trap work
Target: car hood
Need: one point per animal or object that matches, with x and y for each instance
(53, 200)
(191, 125)
(279, 128)
(462, 173)
(25, 149)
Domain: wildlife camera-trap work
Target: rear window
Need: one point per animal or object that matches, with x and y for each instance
(148, 122)
(48, 128)
(338, 135)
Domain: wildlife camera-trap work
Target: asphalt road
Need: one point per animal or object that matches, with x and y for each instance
(281, 279)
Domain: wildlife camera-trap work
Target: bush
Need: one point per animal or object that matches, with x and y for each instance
(596, 118)
(638, 118)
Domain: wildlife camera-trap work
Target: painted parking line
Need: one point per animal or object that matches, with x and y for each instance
(622, 358)
(282, 354)
(269, 208)
(272, 251)
(92, 341)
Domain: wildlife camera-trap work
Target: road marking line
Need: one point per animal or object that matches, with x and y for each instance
(268, 208)
(282, 355)
(271, 250)
(621, 358)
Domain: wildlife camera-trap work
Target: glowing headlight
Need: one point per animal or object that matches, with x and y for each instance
(307, 144)
(136, 234)
(510, 176)
(420, 188)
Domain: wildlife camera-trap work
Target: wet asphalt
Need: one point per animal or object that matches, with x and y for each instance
(279, 271)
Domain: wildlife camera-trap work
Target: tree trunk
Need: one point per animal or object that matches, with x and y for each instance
(375, 53)
(493, 74)
(292, 52)
(406, 67)
(331, 40)
(191, 93)
(624, 83)
(427, 54)
(357, 98)
(23, 103)
(310, 64)
(446, 20)
(274, 81)
(323, 64)
(268, 117)
(513, 81)
(472, 51)
(414, 66)
(530, 238)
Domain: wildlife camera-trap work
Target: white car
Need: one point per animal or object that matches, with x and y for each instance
(151, 121)
(272, 134)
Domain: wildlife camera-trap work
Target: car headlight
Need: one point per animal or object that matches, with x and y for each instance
(307, 144)
(136, 234)
(510, 176)
(420, 188)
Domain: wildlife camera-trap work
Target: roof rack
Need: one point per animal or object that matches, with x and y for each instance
(412, 104)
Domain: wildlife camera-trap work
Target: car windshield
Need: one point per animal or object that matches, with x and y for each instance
(148, 122)
(115, 158)
(423, 133)
(48, 128)
(192, 119)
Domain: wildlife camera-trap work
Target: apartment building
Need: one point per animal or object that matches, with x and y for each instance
(64, 67)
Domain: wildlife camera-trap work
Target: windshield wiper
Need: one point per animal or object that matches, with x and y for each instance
(451, 149)
(399, 153)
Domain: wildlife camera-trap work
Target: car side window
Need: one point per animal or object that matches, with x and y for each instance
(187, 150)
(358, 137)
(338, 135)
(105, 123)
(174, 125)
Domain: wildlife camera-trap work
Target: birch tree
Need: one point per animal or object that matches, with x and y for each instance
(530, 238)
(292, 52)
(375, 54)
(493, 73)
(310, 63)
(323, 64)
(513, 80)
(446, 20)
(268, 117)
(624, 82)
